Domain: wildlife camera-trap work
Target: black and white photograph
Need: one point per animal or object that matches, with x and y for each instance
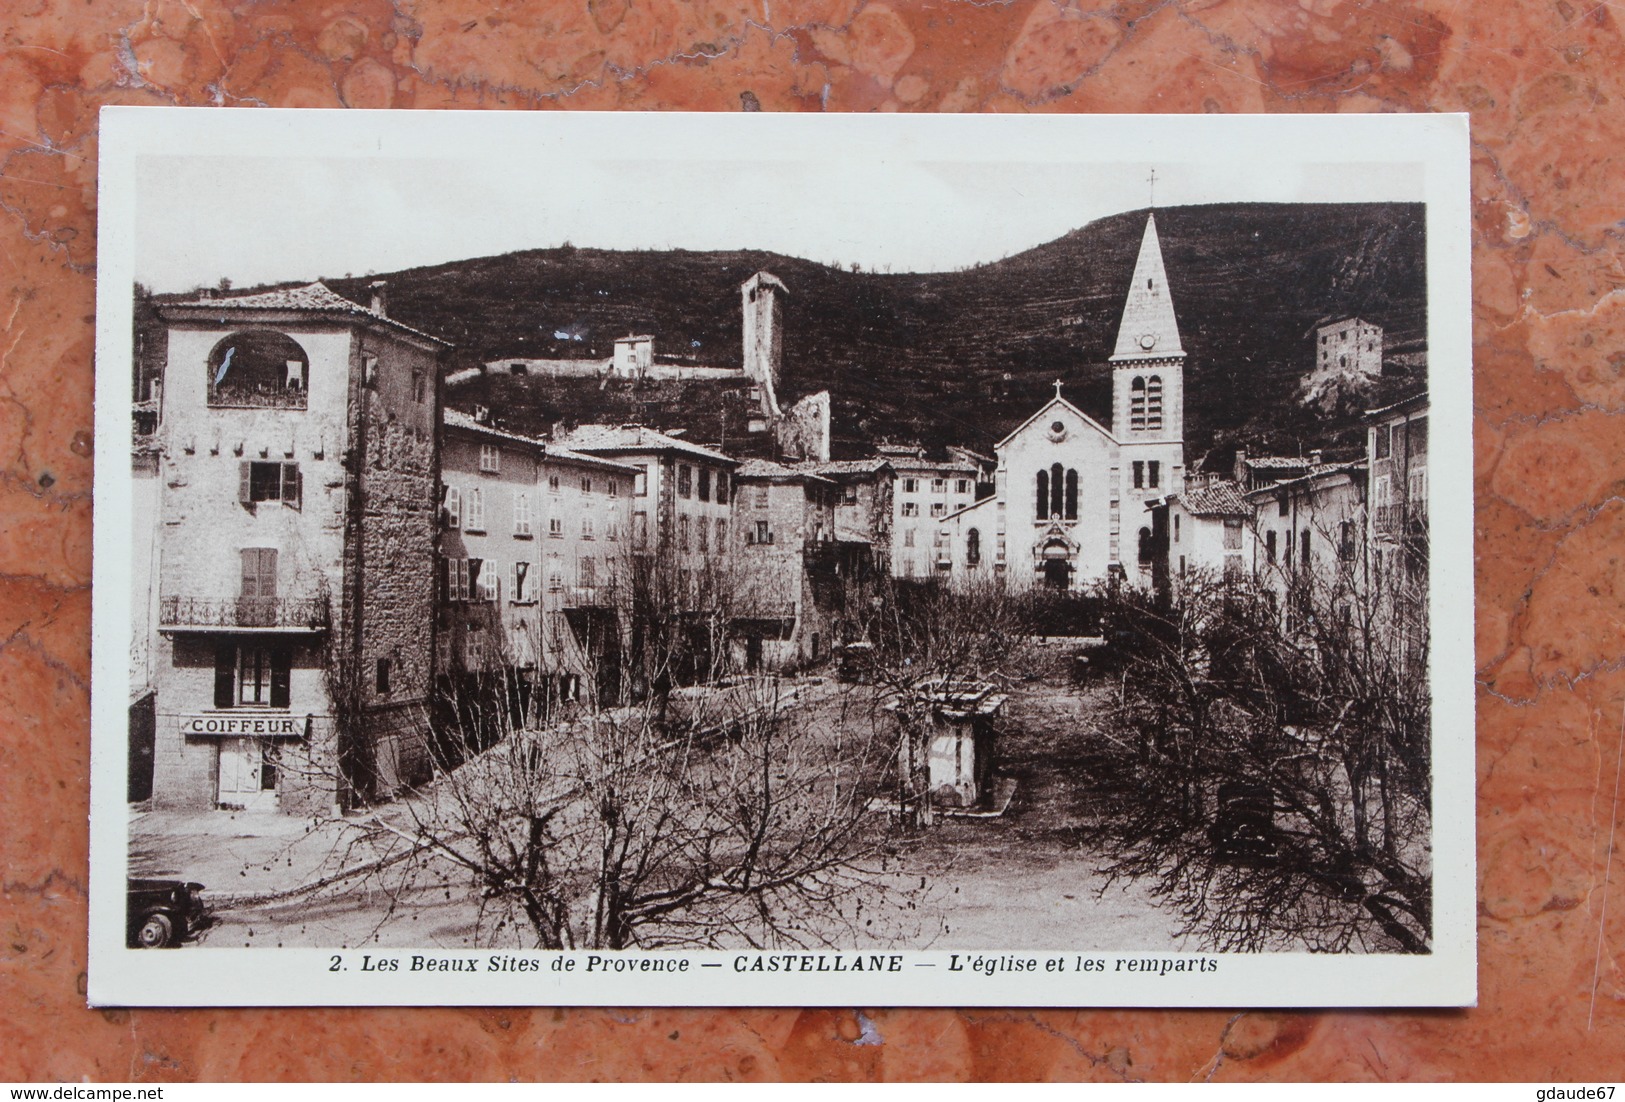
(755, 559)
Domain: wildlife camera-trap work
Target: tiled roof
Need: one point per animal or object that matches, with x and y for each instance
(844, 466)
(766, 471)
(1277, 462)
(1323, 470)
(1217, 499)
(633, 438)
(457, 419)
(315, 298)
(1404, 405)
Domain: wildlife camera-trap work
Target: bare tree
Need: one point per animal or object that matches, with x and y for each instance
(1270, 751)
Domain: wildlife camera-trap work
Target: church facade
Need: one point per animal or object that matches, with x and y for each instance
(1069, 507)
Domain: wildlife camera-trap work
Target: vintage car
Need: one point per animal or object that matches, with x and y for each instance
(162, 913)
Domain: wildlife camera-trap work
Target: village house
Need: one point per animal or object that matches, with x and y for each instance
(863, 503)
(297, 460)
(787, 518)
(681, 505)
(534, 540)
(1397, 453)
(1206, 531)
(924, 493)
(1308, 546)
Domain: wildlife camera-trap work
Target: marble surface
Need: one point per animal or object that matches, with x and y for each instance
(1545, 83)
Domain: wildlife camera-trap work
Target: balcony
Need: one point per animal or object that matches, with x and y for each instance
(243, 614)
(256, 397)
(1408, 518)
(589, 596)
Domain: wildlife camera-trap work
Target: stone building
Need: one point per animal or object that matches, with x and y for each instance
(297, 447)
(787, 547)
(864, 511)
(535, 539)
(1349, 350)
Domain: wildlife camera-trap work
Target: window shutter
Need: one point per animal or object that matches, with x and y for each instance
(281, 662)
(462, 579)
(245, 482)
(292, 485)
(251, 572)
(454, 507)
(225, 670)
(267, 572)
(451, 580)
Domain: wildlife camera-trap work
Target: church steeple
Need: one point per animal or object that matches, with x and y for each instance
(1148, 329)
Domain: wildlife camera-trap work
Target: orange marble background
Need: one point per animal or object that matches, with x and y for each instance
(1545, 83)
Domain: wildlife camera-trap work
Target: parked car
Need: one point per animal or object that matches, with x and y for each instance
(162, 913)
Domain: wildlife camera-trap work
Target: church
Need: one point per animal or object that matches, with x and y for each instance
(1070, 494)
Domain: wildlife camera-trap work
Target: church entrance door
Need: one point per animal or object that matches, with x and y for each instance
(1057, 571)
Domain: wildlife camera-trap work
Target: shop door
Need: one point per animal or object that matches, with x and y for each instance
(247, 781)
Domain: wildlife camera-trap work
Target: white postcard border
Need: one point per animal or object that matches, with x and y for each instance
(1240, 148)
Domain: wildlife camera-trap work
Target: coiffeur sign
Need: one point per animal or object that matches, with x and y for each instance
(269, 726)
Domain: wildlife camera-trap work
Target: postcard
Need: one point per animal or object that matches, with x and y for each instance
(676, 559)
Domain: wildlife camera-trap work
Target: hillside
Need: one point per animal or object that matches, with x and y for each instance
(956, 356)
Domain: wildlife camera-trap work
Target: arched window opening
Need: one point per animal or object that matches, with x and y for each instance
(1072, 494)
(1056, 490)
(1043, 495)
(973, 548)
(258, 368)
(1136, 403)
(1147, 547)
(1153, 402)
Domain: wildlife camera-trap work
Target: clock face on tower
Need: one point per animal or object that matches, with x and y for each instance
(1148, 341)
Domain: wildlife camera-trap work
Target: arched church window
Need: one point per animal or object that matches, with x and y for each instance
(1043, 495)
(1072, 494)
(973, 548)
(1136, 403)
(1153, 402)
(1056, 490)
(258, 368)
(1147, 548)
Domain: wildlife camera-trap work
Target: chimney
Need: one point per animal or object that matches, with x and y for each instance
(1241, 465)
(1314, 457)
(482, 415)
(380, 296)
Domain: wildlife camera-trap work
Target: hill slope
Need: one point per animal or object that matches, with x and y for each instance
(959, 356)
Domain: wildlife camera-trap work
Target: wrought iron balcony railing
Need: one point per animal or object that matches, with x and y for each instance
(1408, 518)
(232, 613)
(589, 596)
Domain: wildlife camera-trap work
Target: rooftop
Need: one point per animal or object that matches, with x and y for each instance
(312, 298)
(765, 471)
(634, 438)
(1218, 499)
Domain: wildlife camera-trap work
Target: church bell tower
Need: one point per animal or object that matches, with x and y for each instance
(1148, 396)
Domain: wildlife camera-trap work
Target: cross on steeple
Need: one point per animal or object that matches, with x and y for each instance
(1057, 388)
